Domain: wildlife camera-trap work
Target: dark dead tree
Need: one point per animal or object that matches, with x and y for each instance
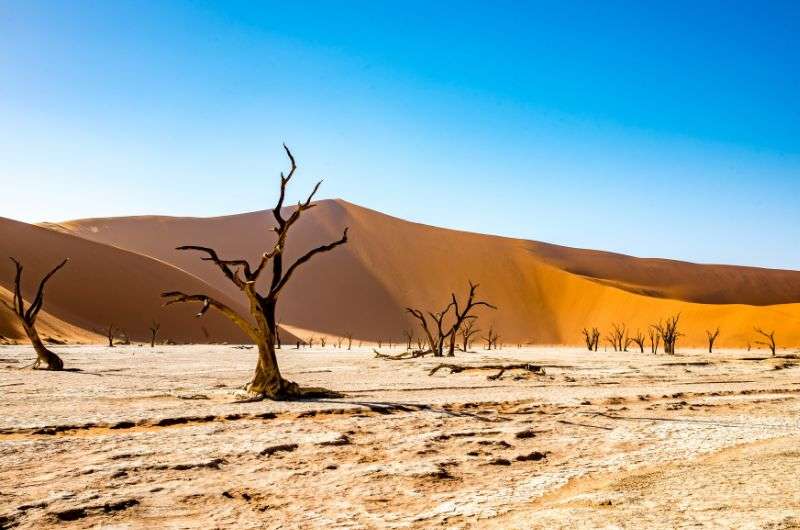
(323, 341)
(769, 341)
(267, 381)
(463, 314)
(45, 359)
(110, 331)
(655, 339)
(491, 338)
(619, 337)
(592, 338)
(154, 327)
(668, 330)
(349, 341)
(501, 369)
(639, 340)
(436, 335)
(409, 338)
(468, 330)
(712, 338)
(310, 342)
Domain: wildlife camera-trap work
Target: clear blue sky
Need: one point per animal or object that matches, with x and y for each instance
(650, 128)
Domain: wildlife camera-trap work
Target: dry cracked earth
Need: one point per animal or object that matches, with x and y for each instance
(155, 438)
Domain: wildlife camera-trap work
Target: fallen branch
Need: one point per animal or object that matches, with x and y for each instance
(405, 355)
(502, 368)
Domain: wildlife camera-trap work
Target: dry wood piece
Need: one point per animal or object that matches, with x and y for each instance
(28, 316)
(501, 368)
(404, 355)
(267, 381)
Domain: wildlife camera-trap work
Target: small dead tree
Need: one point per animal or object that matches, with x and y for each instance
(409, 338)
(349, 340)
(468, 330)
(110, 331)
(770, 339)
(655, 339)
(592, 338)
(45, 358)
(323, 341)
(619, 337)
(668, 330)
(154, 327)
(462, 314)
(436, 335)
(712, 338)
(267, 381)
(491, 338)
(639, 340)
(310, 342)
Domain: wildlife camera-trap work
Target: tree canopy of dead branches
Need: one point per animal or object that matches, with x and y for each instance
(712, 338)
(435, 325)
(668, 331)
(45, 358)
(267, 381)
(592, 338)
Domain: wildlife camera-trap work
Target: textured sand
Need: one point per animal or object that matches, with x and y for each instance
(145, 438)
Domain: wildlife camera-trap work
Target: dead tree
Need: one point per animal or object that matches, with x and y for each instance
(310, 342)
(110, 331)
(655, 339)
(712, 338)
(44, 357)
(436, 341)
(619, 337)
(770, 339)
(409, 338)
(462, 314)
(154, 327)
(639, 340)
(349, 341)
(592, 338)
(468, 330)
(668, 330)
(267, 381)
(491, 338)
(323, 341)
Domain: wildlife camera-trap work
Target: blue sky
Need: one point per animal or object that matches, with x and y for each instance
(668, 129)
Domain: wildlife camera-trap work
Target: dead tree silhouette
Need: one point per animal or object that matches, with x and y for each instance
(770, 339)
(154, 327)
(712, 338)
(668, 330)
(267, 381)
(27, 317)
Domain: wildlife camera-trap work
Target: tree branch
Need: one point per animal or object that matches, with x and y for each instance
(303, 259)
(177, 297)
(224, 265)
(36, 306)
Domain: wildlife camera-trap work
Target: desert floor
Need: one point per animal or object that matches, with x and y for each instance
(154, 438)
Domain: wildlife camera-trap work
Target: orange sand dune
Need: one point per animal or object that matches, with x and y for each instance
(102, 285)
(545, 293)
(49, 326)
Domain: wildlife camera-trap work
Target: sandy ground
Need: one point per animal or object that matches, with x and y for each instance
(143, 438)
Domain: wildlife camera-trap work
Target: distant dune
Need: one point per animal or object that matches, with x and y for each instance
(545, 293)
(102, 285)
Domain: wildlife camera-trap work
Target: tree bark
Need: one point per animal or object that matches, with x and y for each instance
(43, 354)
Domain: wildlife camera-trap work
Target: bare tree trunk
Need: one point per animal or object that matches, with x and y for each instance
(43, 355)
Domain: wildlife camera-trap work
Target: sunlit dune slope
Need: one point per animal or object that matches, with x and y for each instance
(49, 327)
(545, 293)
(102, 285)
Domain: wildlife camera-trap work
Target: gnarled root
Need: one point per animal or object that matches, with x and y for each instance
(501, 368)
(287, 391)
